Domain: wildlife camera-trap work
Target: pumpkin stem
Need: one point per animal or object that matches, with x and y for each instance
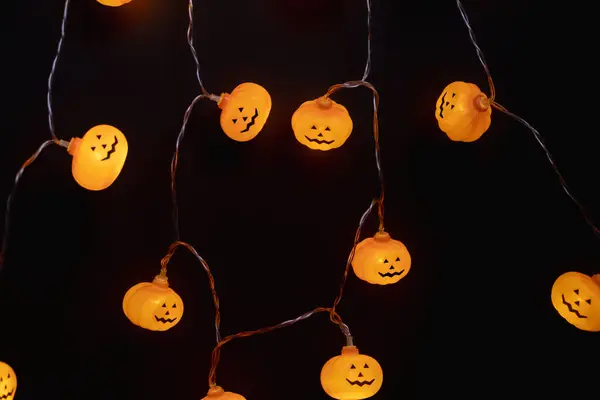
(481, 103)
(161, 281)
(382, 236)
(349, 350)
(215, 391)
(324, 102)
(221, 101)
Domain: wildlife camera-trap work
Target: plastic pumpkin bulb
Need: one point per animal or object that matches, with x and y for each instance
(113, 3)
(217, 393)
(8, 382)
(351, 375)
(463, 112)
(244, 111)
(576, 297)
(153, 306)
(381, 260)
(98, 157)
(322, 124)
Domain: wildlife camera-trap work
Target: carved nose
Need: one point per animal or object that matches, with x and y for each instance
(577, 302)
(392, 267)
(244, 118)
(167, 313)
(320, 134)
(360, 375)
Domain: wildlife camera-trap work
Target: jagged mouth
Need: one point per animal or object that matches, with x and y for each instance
(165, 320)
(252, 121)
(360, 383)
(109, 153)
(7, 395)
(442, 105)
(319, 141)
(391, 274)
(570, 307)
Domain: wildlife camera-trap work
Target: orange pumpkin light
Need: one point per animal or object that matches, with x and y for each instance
(98, 157)
(244, 111)
(113, 3)
(217, 393)
(381, 260)
(153, 306)
(463, 112)
(322, 124)
(576, 297)
(8, 382)
(351, 375)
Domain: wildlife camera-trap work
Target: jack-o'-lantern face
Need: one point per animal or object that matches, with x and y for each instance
(98, 157)
(113, 3)
(463, 112)
(153, 306)
(244, 111)
(381, 260)
(8, 382)
(351, 375)
(217, 393)
(576, 297)
(322, 124)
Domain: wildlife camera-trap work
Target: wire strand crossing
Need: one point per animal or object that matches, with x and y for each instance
(53, 71)
(536, 134)
(211, 281)
(216, 353)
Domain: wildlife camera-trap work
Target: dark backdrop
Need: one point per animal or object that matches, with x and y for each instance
(487, 224)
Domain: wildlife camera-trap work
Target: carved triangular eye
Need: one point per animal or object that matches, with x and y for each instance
(397, 258)
(589, 301)
(352, 366)
(93, 148)
(98, 136)
(366, 366)
(327, 128)
(385, 261)
(234, 120)
(174, 305)
(241, 109)
(164, 305)
(576, 291)
(313, 127)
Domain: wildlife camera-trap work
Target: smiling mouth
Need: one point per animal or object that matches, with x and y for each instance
(112, 150)
(570, 307)
(4, 397)
(252, 121)
(319, 141)
(442, 105)
(164, 320)
(360, 383)
(390, 274)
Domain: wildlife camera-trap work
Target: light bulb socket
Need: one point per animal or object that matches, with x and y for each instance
(222, 100)
(350, 351)
(73, 146)
(481, 102)
(161, 281)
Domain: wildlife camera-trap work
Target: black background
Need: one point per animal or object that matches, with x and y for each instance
(487, 224)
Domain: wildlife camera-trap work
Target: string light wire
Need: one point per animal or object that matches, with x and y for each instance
(536, 134)
(54, 140)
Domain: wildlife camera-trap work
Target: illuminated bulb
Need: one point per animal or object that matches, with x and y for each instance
(98, 157)
(351, 375)
(244, 111)
(381, 260)
(153, 306)
(463, 112)
(322, 124)
(217, 393)
(113, 3)
(8, 382)
(576, 297)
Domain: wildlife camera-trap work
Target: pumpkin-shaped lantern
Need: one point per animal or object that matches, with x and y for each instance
(351, 375)
(8, 382)
(463, 112)
(244, 111)
(576, 297)
(113, 3)
(322, 124)
(153, 306)
(217, 393)
(98, 157)
(381, 260)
